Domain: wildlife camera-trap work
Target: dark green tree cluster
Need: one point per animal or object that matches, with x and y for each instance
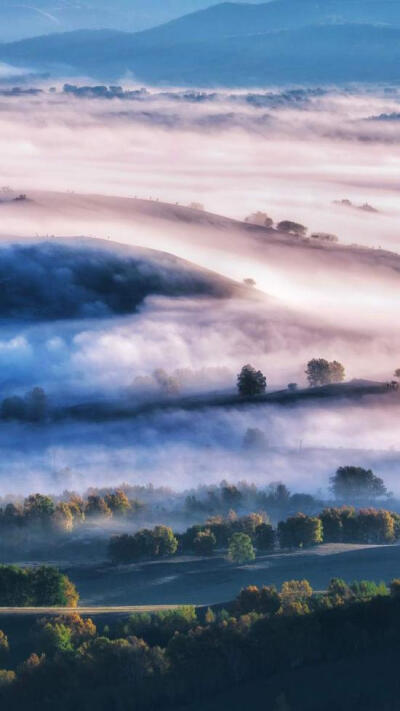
(368, 525)
(146, 543)
(245, 534)
(300, 531)
(344, 524)
(167, 660)
(43, 586)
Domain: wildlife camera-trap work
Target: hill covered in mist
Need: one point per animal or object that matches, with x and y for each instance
(81, 279)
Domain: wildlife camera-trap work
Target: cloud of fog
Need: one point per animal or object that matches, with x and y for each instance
(235, 156)
(305, 445)
(292, 161)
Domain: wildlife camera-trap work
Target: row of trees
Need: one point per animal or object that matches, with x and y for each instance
(32, 407)
(261, 219)
(44, 586)
(319, 371)
(242, 535)
(297, 596)
(42, 512)
(156, 543)
(238, 534)
(169, 659)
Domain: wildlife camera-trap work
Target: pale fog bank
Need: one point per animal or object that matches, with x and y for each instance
(290, 154)
(76, 325)
(301, 446)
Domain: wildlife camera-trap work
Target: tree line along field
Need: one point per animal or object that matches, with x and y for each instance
(168, 659)
(42, 522)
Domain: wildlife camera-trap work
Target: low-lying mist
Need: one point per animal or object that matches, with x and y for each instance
(301, 446)
(106, 323)
(289, 154)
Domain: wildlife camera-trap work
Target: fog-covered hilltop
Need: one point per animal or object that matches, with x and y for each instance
(88, 278)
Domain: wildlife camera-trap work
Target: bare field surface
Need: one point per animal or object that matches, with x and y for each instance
(210, 581)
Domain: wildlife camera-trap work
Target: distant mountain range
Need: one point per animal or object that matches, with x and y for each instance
(300, 41)
(19, 20)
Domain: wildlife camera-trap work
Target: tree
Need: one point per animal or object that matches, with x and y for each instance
(397, 373)
(249, 524)
(375, 526)
(367, 589)
(164, 541)
(259, 218)
(248, 600)
(265, 601)
(63, 521)
(295, 591)
(41, 587)
(230, 495)
(39, 509)
(96, 506)
(52, 588)
(118, 503)
(251, 382)
(320, 372)
(204, 543)
(293, 228)
(338, 590)
(300, 531)
(336, 372)
(332, 524)
(54, 637)
(240, 549)
(357, 483)
(265, 537)
(145, 543)
(270, 601)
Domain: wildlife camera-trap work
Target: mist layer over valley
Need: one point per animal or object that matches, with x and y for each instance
(157, 310)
